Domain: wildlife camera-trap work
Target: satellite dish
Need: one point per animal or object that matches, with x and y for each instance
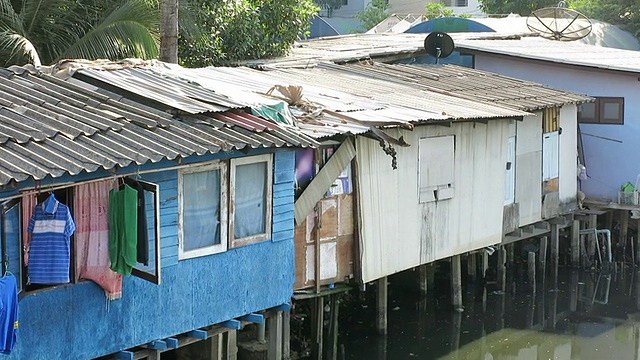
(439, 45)
(559, 23)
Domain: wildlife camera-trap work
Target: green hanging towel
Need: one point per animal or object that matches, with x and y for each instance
(123, 229)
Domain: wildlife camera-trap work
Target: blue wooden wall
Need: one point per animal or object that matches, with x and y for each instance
(75, 321)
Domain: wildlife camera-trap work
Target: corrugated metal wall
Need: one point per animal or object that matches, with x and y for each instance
(397, 232)
(529, 169)
(568, 156)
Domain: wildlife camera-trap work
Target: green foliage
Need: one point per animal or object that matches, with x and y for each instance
(521, 7)
(373, 14)
(233, 30)
(436, 10)
(44, 31)
(623, 13)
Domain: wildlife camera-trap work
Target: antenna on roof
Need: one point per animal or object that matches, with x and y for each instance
(559, 23)
(439, 45)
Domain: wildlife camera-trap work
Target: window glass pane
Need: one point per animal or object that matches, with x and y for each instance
(201, 209)
(150, 211)
(250, 199)
(14, 242)
(587, 111)
(611, 110)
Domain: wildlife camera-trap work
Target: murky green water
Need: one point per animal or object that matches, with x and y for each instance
(586, 316)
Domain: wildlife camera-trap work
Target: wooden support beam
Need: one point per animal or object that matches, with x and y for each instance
(575, 244)
(274, 329)
(531, 263)
(198, 334)
(232, 324)
(502, 269)
(529, 229)
(624, 231)
(472, 266)
(542, 254)
(381, 304)
(456, 283)
(423, 279)
(283, 307)
(542, 225)
(517, 233)
(318, 329)
(172, 343)
(253, 318)
(286, 335)
(157, 345)
(230, 345)
(554, 253)
(637, 249)
(558, 220)
(124, 355)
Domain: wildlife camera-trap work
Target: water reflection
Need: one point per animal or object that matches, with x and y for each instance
(586, 316)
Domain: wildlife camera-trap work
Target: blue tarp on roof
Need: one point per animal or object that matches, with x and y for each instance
(449, 24)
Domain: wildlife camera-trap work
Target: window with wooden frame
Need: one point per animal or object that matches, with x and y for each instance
(202, 210)
(11, 241)
(605, 110)
(250, 187)
(148, 265)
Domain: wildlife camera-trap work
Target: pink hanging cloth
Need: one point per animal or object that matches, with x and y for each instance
(29, 201)
(91, 214)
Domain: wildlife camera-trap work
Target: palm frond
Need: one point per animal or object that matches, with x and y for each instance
(130, 30)
(17, 49)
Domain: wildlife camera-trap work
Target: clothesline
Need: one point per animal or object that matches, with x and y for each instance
(114, 176)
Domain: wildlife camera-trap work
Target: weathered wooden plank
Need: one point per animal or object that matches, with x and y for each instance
(172, 343)
(286, 225)
(198, 334)
(232, 324)
(157, 345)
(281, 236)
(286, 208)
(253, 318)
(124, 355)
(323, 180)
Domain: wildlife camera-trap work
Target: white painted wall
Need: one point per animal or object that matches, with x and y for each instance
(529, 168)
(399, 233)
(609, 163)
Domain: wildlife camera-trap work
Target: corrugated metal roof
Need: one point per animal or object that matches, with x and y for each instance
(467, 83)
(360, 101)
(559, 52)
(52, 127)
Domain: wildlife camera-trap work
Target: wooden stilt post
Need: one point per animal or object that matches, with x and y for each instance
(382, 298)
(456, 283)
(423, 279)
(502, 269)
(456, 327)
(484, 263)
(573, 303)
(216, 347)
(230, 345)
(286, 335)
(591, 250)
(542, 254)
(531, 262)
(472, 267)
(335, 306)
(554, 253)
(274, 351)
(318, 329)
(638, 244)
(575, 243)
(624, 233)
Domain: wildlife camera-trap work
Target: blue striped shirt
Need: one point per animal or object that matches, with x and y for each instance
(50, 246)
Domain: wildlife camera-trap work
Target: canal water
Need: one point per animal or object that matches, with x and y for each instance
(584, 315)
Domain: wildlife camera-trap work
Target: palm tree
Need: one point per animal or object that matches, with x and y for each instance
(45, 31)
(169, 31)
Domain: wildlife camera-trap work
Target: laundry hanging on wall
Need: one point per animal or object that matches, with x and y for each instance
(123, 229)
(8, 313)
(51, 226)
(91, 204)
(143, 235)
